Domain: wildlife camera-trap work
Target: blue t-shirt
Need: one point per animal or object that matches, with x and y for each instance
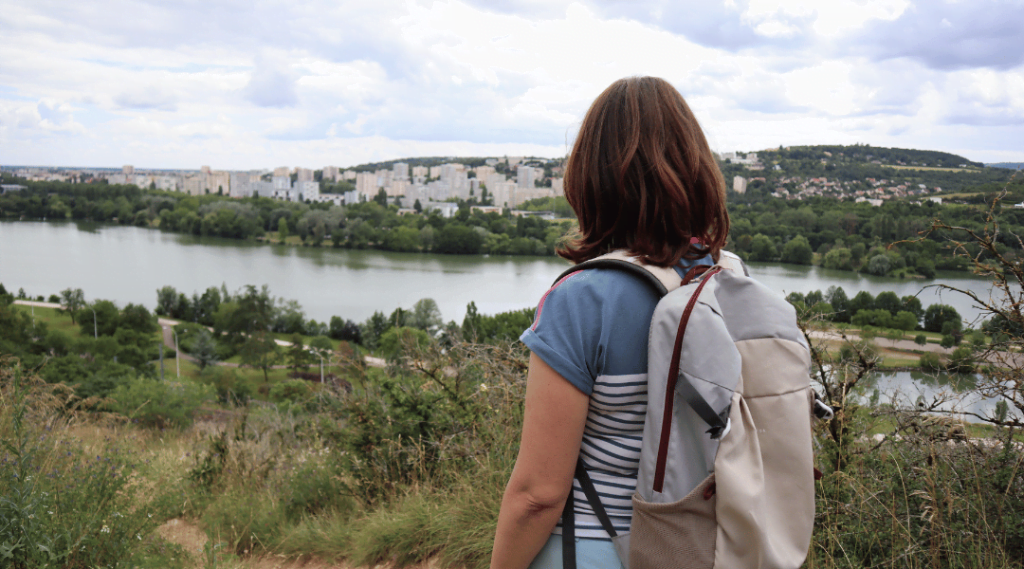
(592, 328)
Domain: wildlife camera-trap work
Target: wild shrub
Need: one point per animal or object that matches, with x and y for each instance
(160, 404)
(60, 505)
(930, 361)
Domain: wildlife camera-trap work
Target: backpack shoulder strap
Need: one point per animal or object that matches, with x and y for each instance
(732, 261)
(663, 279)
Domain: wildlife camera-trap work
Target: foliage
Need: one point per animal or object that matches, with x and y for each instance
(930, 361)
(72, 300)
(62, 503)
(159, 404)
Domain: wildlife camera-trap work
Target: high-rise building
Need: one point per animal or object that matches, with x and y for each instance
(307, 190)
(526, 176)
(420, 171)
(282, 172)
(127, 169)
(241, 185)
(330, 173)
(482, 172)
(281, 183)
(400, 171)
(366, 184)
(303, 175)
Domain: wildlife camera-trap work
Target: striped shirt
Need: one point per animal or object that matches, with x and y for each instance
(592, 328)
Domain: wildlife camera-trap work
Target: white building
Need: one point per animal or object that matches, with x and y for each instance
(281, 183)
(167, 183)
(446, 209)
(558, 186)
(366, 184)
(306, 190)
(482, 172)
(526, 176)
(400, 171)
(303, 175)
(330, 173)
(739, 184)
(262, 189)
(241, 185)
(420, 171)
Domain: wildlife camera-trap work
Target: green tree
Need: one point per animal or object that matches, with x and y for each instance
(887, 300)
(762, 248)
(398, 341)
(863, 300)
(298, 357)
(425, 315)
(417, 206)
(838, 258)
(103, 318)
(282, 229)
(938, 314)
(912, 304)
(166, 301)
(797, 251)
(920, 339)
(204, 350)
(260, 351)
(137, 318)
(836, 296)
(905, 321)
(373, 328)
(72, 300)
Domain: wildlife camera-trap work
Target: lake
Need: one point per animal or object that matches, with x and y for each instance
(128, 264)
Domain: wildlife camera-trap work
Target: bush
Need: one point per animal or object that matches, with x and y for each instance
(291, 391)
(930, 361)
(63, 504)
(961, 360)
(230, 389)
(155, 403)
(920, 339)
(947, 341)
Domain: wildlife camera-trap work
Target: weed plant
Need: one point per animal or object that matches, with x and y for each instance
(61, 504)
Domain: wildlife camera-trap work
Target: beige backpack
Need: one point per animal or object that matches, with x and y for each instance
(726, 475)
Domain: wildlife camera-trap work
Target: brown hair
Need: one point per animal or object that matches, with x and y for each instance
(641, 177)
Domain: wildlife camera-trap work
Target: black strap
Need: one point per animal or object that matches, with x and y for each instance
(620, 265)
(593, 498)
(569, 516)
(716, 421)
(569, 533)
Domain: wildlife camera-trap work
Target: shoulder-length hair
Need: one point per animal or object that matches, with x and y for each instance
(641, 177)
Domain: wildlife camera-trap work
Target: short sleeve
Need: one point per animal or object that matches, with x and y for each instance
(593, 323)
(566, 330)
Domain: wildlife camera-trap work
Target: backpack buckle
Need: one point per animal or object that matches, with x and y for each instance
(822, 411)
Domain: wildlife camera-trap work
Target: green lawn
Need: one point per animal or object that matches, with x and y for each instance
(54, 319)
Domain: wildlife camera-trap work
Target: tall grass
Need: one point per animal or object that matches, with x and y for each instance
(62, 503)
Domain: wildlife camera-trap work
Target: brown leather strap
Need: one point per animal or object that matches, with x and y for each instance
(694, 272)
(670, 388)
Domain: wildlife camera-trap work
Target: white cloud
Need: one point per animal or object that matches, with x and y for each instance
(237, 84)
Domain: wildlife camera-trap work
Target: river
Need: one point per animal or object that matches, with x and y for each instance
(128, 264)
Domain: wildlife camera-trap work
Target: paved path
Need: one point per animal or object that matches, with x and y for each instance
(906, 345)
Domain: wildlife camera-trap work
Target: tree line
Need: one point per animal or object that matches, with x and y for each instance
(357, 226)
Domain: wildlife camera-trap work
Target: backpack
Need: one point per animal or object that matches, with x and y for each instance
(726, 475)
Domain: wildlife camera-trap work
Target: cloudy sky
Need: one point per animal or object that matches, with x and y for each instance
(240, 84)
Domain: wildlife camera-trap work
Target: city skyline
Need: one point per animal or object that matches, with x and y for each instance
(245, 86)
